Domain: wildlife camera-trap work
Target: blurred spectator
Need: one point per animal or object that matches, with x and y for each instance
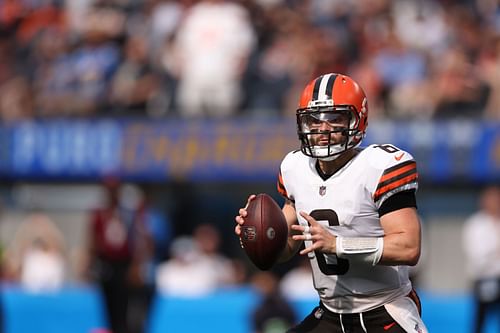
(273, 314)
(181, 275)
(119, 245)
(489, 68)
(401, 71)
(207, 239)
(196, 267)
(459, 90)
(414, 19)
(297, 283)
(165, 18)
(276, 63)
(481, 244)
(268, 79)
(15, 100)
(35, 258)
(159, 229)
(212, 46)
(94, 62)
(134, 84)
(8, 64)
(150, 251)
(38, 15)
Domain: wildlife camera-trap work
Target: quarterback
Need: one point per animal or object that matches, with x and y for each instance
(354, 210)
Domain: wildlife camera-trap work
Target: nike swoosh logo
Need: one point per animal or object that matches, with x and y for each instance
(397, 158)
(388, 327)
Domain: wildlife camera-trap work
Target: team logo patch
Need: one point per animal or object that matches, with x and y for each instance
(249, 233)
(270, 233)
(318, 313)
(322, 190)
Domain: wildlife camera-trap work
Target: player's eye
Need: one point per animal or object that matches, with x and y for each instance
(337, 128)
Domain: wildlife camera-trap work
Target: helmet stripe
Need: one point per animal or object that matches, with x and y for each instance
(329, 85)
(323, 87)
(316, 88)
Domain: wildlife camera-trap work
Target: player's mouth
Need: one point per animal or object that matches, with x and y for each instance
(323, 142)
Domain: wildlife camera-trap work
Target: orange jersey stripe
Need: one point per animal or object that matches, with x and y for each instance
(281, 187)
(402, 169)
(395, 184)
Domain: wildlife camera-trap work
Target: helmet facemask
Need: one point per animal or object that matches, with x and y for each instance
(316, 127)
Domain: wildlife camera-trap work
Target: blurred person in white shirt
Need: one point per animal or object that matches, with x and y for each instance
(212, 47)
(184, 274)
(297, 283)
(35, 257)
(481, 243)
(207, 238)
(196, 266)
(42, 268)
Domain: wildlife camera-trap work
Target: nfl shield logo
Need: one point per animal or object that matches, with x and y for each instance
(322, 190)
(249, 233)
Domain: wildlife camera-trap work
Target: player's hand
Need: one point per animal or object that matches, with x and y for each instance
(240, 219)
(322, 239)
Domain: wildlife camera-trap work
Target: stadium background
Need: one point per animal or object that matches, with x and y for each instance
(430, 69)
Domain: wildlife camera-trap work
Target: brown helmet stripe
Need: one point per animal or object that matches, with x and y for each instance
(324, 86)
(316, 88)
(329, 85)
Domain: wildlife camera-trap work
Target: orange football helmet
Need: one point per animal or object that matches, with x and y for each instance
(339, 102)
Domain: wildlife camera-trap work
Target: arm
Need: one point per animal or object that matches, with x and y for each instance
(401, 244)
(402, 240)
(292, 245)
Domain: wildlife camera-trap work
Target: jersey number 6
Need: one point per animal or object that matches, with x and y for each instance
(342, 265)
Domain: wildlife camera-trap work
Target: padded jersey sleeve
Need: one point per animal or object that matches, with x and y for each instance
(281, 185)
(393, 170)
(285, 176)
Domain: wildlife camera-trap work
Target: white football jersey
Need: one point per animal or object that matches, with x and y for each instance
(347, 203)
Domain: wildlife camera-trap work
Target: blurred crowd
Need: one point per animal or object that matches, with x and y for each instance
(217, 58)
(130, 252)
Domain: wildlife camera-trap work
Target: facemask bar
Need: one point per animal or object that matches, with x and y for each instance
(310, 122)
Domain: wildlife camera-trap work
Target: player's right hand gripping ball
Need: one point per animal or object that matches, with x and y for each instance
(264, 233)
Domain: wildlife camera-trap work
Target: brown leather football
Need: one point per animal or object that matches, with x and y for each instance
(264, 233)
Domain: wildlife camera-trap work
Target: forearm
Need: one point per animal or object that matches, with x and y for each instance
(287, 254)
(400, 250)
(402, 240)
(292, 246)
(390, 250)
(290, 249)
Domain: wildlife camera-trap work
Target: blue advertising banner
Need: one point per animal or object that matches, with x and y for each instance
(238, 150)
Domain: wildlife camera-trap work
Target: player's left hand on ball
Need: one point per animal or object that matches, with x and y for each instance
(242, 213)
(322, 239)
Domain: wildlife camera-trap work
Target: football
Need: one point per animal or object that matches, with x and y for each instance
(264, 233)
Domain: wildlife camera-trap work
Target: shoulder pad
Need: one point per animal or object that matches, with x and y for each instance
(396, 167)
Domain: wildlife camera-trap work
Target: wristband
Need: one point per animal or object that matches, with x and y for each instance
(362, 249)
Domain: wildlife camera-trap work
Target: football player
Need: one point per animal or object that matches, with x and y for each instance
(354, 209)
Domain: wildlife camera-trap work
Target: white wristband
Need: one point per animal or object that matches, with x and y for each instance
(362, 249)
